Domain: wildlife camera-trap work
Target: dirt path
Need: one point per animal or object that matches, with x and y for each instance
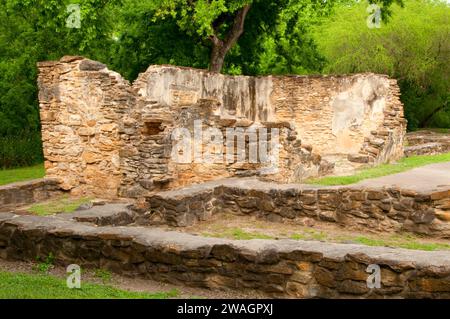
(424, 178)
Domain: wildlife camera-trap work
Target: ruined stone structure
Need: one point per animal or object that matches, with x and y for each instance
(107, 137)
(274, 268)
(379, 209)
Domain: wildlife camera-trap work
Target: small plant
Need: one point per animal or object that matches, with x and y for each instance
(103, 274)
(46, 265)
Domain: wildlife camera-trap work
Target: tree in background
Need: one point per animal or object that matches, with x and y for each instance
(412, 47)
(250, 37)
(32, 31)
(222, 22)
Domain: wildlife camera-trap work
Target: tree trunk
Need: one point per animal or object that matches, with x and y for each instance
(427, 120)
(220, 47)
(217, 57)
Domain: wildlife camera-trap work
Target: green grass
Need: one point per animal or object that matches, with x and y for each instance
(21, 151)
(399, 242)
(21, 174)
(45, 265)
(402, 165)
(238, 234)
(103, 274)
(310, 234)
(440, 130)
(63, 204)
(26, 286)
(403, 240)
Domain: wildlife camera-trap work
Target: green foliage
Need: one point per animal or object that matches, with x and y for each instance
(402, 165)
(17, 151)
(103, 274)
(25, 286)
(32, 31)
(412, 47)
(277, 40)
(282, 37)
(45, 265)
(141, 41)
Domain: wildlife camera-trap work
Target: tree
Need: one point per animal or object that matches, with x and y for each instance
(222, 22)
(413, 48)
(32, 31)
(35, 30)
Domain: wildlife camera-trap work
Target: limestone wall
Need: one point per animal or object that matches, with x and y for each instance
(105, 136)
(275, 268)
(81, 106)
(346, 119)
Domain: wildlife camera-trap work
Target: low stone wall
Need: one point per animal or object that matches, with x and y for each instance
(23, 193)
(277, 268)
(427, 149)
(353, 207)
(427, 143)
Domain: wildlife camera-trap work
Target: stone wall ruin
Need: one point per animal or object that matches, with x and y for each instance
(107, 137)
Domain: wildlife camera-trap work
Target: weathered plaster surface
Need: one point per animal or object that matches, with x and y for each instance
(105, 136)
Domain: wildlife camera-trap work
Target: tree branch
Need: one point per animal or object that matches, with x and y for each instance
(237, 29)
(215, 39)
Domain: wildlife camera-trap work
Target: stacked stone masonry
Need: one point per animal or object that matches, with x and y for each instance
(276, 268)
(105, 136)
(24, 193)
(386, 209)
(426, 142)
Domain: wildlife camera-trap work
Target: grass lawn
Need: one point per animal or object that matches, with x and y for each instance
(64, 204)
(238, 234)
(26, 286)
(21, 174)
(402, 165)
(401, 240)
(440, 130)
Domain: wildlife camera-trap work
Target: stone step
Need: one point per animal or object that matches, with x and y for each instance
(113, 214)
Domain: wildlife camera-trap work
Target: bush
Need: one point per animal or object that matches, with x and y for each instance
(412, 46)
(17, 151)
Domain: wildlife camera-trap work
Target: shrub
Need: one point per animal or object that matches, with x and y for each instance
(17, 151)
